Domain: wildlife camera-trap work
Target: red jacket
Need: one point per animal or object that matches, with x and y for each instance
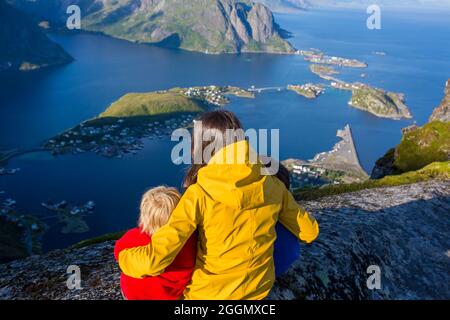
(167, 286)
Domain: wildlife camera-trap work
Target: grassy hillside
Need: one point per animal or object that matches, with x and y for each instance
(153, 103)
(422, 146)
(437, 170)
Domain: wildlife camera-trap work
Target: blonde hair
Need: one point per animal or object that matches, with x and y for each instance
(157, 205)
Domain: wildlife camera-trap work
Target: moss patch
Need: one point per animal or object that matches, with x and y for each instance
(420, 147)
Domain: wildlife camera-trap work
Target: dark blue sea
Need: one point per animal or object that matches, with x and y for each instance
(36, 106)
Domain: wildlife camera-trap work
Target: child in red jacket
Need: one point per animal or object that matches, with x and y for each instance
(156, 206)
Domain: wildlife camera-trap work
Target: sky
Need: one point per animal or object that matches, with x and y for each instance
(393, 3)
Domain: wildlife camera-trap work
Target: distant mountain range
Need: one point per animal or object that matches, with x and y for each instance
(213, 26)
(296, 5)
(24, 46)
(286, 5)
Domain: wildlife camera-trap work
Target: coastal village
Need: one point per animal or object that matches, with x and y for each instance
(316, 56)
(305, 175)
(115, 137)
(216, 95)
(339, 165)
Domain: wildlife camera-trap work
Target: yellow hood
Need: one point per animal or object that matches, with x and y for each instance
(233, 177)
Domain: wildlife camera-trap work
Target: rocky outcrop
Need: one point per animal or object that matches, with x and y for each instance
(261, 23)
(442, 112)
(419, 147)
(384, 166)
(402, 230)
(215, 26)
(24, 46)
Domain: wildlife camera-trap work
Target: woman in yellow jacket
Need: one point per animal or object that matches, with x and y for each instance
(234, 208)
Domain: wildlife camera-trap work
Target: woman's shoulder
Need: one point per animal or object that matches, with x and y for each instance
(194, 193)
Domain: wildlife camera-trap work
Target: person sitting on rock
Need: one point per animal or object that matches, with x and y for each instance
(234, 205)
(156, 207)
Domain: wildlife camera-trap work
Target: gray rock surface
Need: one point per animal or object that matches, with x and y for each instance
(403, 230)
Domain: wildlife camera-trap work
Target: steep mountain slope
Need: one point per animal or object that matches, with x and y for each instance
(403, 230)
(213, 26)
(442, 112)
(23, 45)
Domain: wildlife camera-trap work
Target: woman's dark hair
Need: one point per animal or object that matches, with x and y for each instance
(220, 120)
(283, 175)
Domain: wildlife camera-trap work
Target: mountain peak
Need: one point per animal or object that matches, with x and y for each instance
(212, 26)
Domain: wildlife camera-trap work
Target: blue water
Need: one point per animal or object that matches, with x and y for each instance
(36, 106)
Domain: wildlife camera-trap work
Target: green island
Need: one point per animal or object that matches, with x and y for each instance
(119, 130)
(377, 101)
(380, 103)
(309, 90)
(325, 72)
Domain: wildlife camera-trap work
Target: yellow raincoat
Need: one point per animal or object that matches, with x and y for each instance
(235, 209)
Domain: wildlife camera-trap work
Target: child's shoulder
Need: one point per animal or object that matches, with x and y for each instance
(136, 235)
(132, 238)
